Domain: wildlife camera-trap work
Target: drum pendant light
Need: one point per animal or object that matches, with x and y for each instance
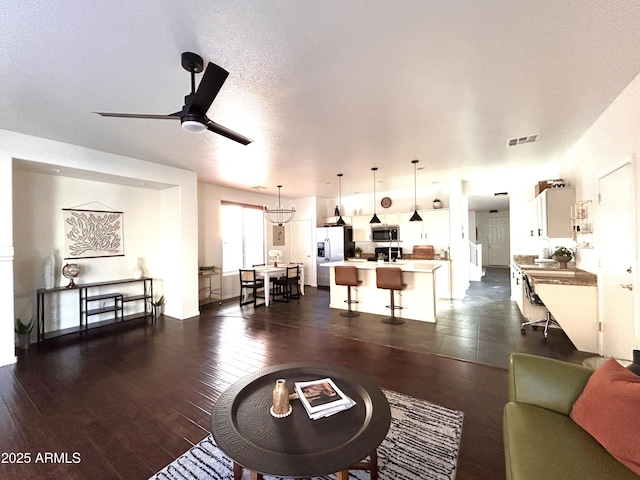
(375, 218)
(416, 216)
(340, 220)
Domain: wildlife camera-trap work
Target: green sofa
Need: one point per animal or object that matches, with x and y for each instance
(540, 439)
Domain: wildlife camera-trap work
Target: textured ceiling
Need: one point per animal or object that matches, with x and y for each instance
(323, 87)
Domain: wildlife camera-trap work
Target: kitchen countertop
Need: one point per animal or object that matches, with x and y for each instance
(551, 273)
(427, 266)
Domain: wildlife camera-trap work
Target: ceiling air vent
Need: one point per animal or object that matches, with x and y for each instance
(520, 140)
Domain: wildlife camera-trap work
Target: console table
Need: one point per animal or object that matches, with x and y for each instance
(97, 299)
(209, 292)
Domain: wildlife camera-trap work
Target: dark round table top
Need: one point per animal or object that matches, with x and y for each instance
(297, 446)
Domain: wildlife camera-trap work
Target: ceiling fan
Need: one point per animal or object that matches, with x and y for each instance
(193, 115)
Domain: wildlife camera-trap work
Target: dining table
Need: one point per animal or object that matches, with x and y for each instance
(267, 272)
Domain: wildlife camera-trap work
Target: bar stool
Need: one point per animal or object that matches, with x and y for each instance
(390, 278)
(348, 277)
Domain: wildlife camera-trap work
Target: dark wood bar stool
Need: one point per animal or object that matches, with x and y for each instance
(348, 276)
(390, 278)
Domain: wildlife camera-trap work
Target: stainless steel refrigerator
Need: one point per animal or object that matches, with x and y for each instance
(334, 244)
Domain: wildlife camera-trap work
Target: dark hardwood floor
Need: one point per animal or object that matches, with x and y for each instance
(122, 404)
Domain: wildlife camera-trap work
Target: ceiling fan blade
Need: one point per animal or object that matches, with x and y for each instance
(225, 132)
(211, 83)
(171, 116)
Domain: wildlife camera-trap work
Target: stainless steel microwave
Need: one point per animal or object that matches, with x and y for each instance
(385, 233)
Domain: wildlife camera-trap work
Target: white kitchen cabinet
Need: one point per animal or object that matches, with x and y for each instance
(517, 291)
(334, 220)
(436, 225)
(390, 218)
(552, 213)
(410, 231)
(361, 228)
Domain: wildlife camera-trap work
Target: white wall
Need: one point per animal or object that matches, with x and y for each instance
(38, 201)
(176, 261)
(613, 138)
(7, 316)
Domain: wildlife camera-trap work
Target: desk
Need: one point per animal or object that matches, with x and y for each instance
(572, 299)
(296, 446)
(269, 271)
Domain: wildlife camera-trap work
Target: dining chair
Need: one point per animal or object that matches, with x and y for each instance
(249, 281)
(283, 286)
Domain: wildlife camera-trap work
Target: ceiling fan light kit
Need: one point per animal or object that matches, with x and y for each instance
(193, 116)
(193, 126)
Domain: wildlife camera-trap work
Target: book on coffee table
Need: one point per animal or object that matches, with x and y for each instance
(322, 398)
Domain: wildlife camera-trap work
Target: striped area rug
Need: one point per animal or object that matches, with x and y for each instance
(422, 443)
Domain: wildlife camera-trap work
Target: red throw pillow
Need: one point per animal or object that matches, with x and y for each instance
(609, 409)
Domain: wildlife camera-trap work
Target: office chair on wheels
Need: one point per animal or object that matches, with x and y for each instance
(534, 299)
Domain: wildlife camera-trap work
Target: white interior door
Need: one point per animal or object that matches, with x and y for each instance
(498, 241)
(616, 236)
(301, 247)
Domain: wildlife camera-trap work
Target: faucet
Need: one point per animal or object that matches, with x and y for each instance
(399, 254)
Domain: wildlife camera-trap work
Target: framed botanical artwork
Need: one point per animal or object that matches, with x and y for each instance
(92, 233)
(278, 235)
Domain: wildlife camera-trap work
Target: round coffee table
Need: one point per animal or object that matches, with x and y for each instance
(296, 446)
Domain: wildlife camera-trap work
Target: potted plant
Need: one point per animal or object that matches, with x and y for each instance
(562, 255)
(358, 252)
(437, 203)
(380, 259)
(156, 307)
(24, 332)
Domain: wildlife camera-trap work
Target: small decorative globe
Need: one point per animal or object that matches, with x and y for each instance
(71, 271)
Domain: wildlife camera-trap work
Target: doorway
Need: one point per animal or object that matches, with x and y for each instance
(618, 261)
(301, 248)
(498, 241)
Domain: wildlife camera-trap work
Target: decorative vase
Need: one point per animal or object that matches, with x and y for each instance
(635, 366)
(562, 261)
(275, 264)
(437, 205)
(138, 271)
(50, 269)
(23, 340)
(281, 406)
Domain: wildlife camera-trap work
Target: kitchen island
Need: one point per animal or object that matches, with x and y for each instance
(418, 299)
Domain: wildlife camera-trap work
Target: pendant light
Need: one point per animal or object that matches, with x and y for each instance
(340, 220)
(279, 215)
(416, 216)
(375, 218)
